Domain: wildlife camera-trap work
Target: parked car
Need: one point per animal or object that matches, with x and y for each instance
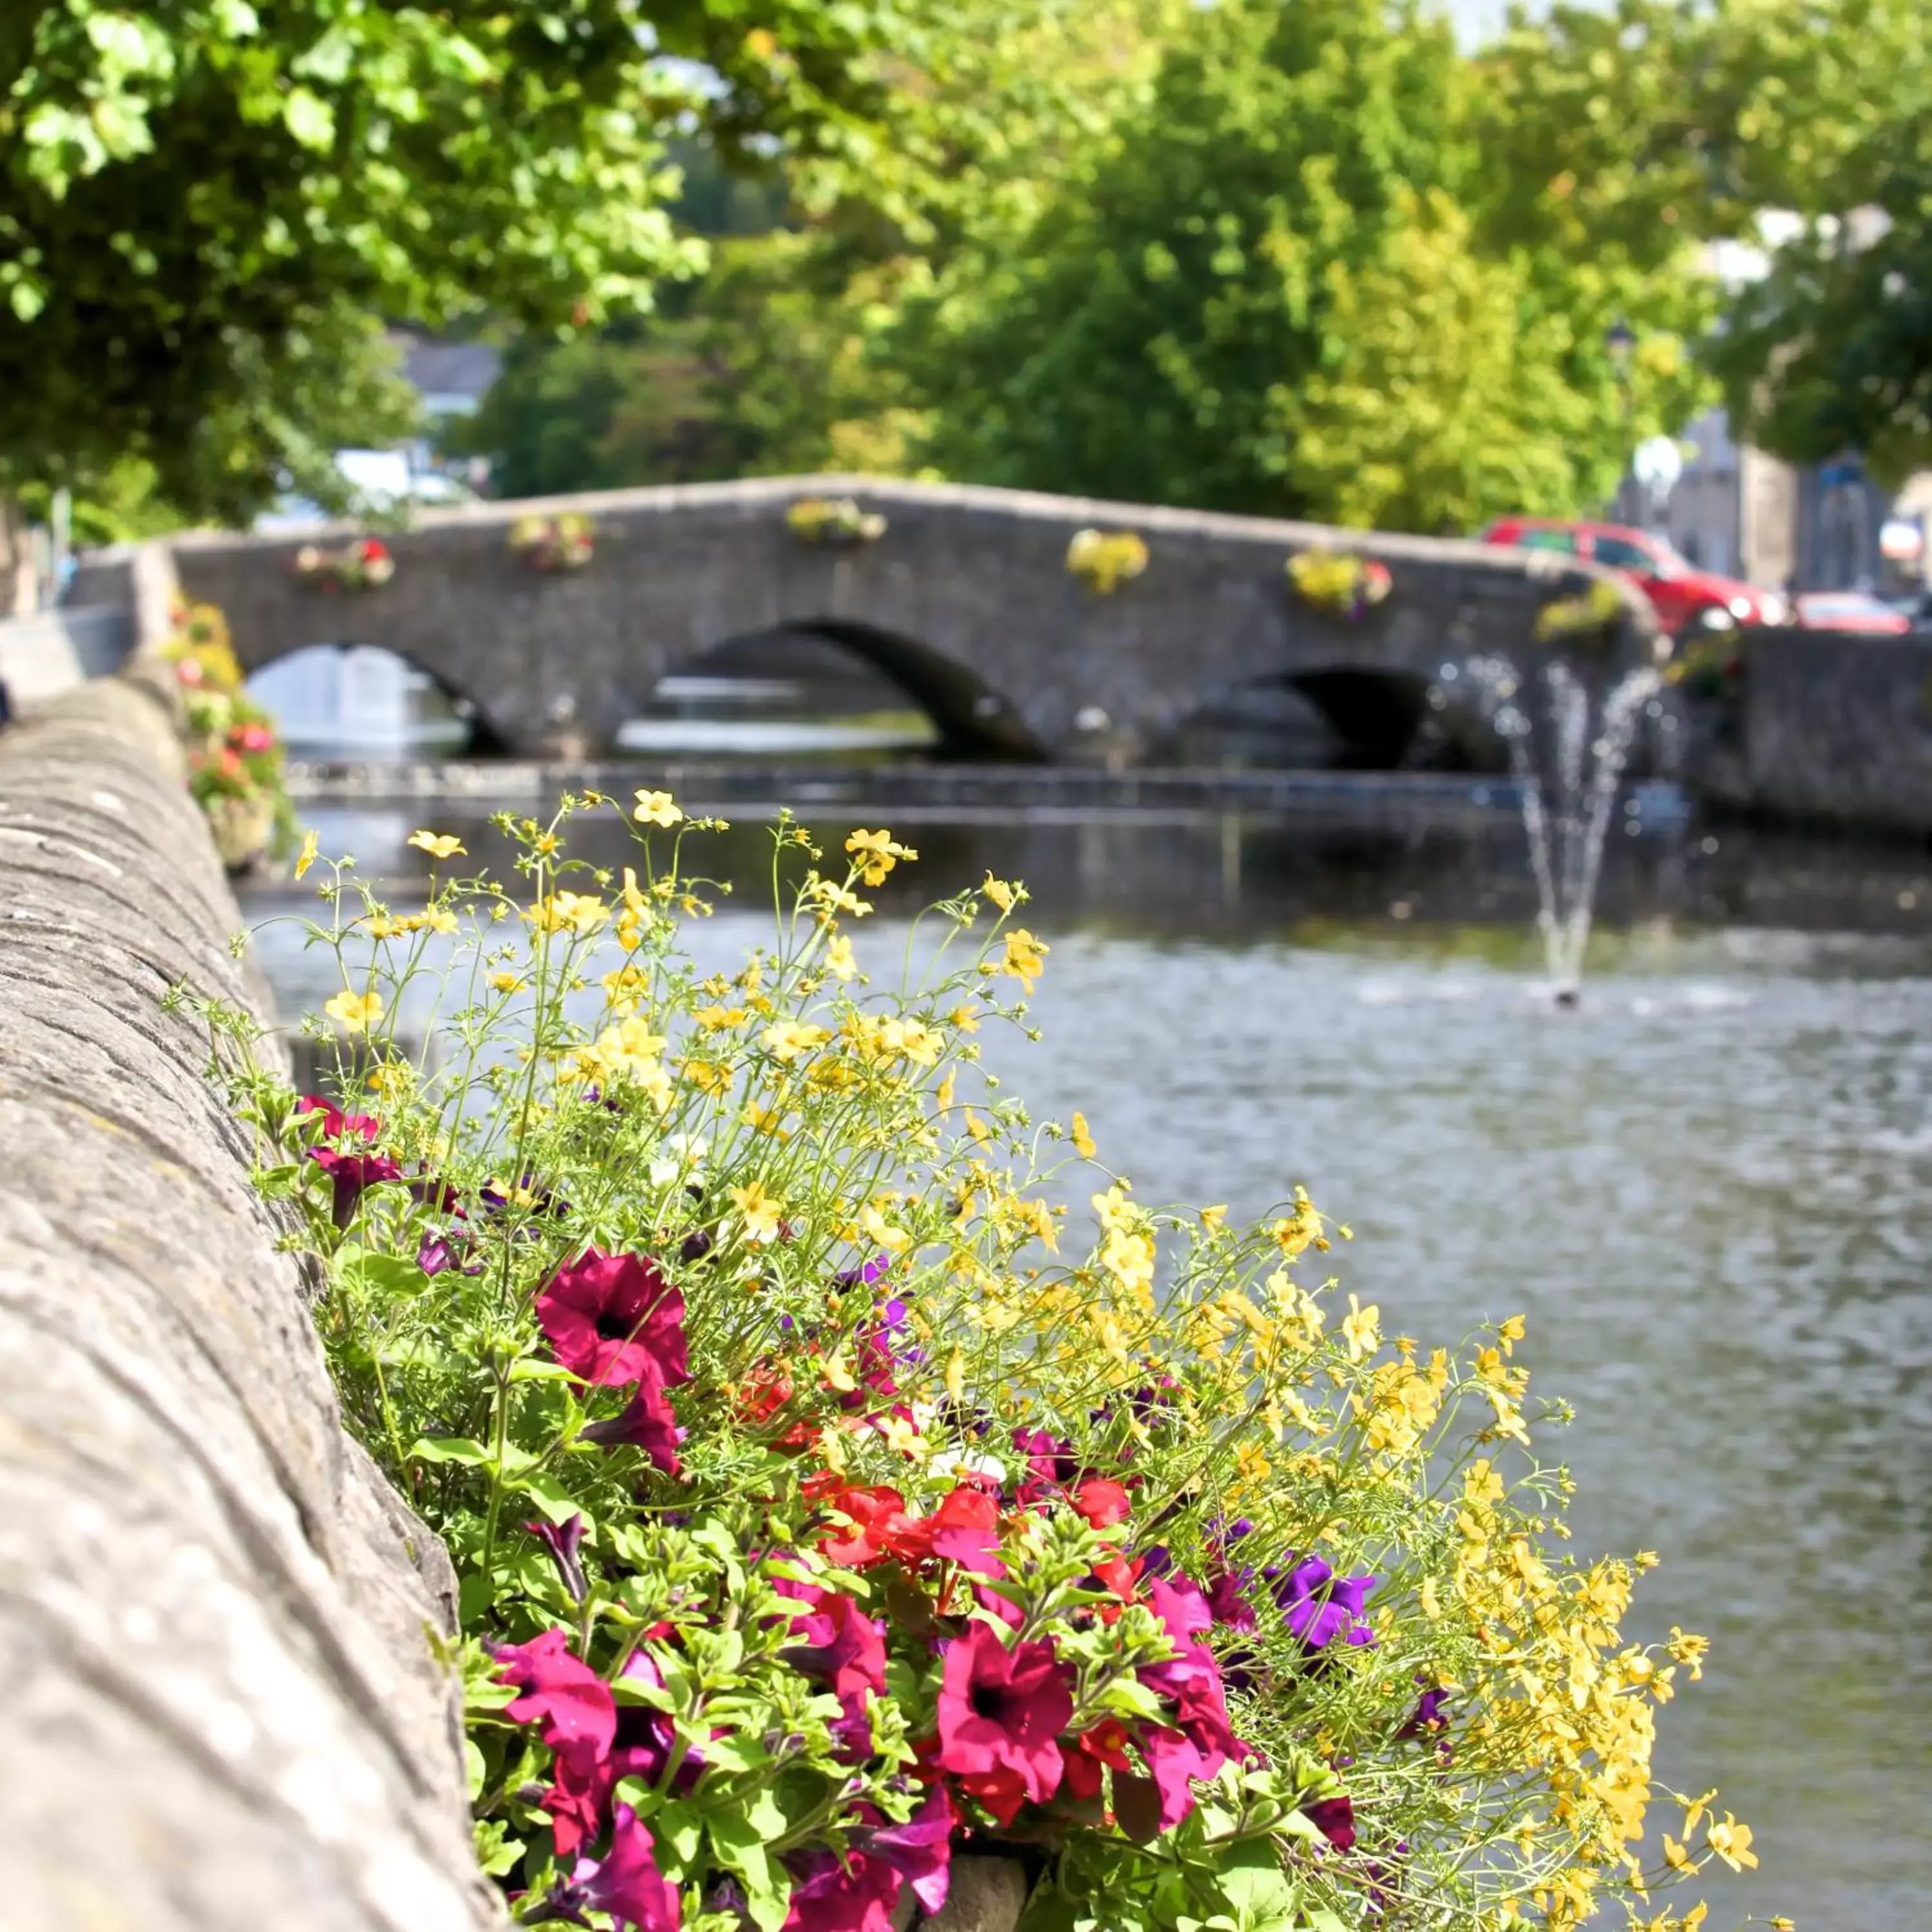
(1851, 610)
(1685, 598)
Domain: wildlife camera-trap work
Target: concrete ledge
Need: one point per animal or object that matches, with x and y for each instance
(223, 1714)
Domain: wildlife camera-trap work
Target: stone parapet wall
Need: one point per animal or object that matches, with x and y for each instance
(223, 1712)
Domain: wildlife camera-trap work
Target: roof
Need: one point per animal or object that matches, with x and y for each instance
(450, 368)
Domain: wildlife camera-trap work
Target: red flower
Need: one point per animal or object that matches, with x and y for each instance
(1001, 1712)
(964, 1529)
(1104, 1746)
(876, 1522)
(1102, 1503)
(562, 1693)
(610, 1318)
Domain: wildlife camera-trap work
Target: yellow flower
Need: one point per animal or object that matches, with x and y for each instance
(306, 857)
(354, 1012)
(955, 1376)
(1361, 1329)
(506, 983)
(1779, 1923)
(1212, 1218)
(389, 1079)
(1732, 1842)
(1001, 894)
(786, 1039)
(1025, 957)
(656, 808)
(576, 913)
(1688, 1649)
(437, 845)
(1511, 1333)
(838, 960)
(877, 854)
(760, 1210)
(1083, 1142)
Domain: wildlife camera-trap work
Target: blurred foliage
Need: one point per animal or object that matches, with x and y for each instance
(205, 210)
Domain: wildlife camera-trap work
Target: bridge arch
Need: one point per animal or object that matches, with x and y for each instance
(273, 681)
(970, 719)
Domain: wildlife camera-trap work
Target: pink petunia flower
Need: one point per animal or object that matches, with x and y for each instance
(1001, 1712)
(562, 1693)
(625, 1881)
(920, 1850)
(856, 1897)
(648, 1423)
(609, 1318)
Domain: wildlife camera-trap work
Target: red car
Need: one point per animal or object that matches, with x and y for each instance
(1851, 610)
(1685, 597)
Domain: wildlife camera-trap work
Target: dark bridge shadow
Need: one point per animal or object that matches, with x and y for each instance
(1342, 719)
(830, 674)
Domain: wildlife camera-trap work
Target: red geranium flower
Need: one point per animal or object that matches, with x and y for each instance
(1104, 1746)
(876, 1522)
(609, 1318)
(964, 1529)
(1001, 1712)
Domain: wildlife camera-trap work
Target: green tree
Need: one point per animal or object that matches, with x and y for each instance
(208, 207)
(1281, 283)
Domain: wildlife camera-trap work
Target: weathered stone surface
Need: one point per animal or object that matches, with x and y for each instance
(966, 600)
(223, 1713)
(984, 1895)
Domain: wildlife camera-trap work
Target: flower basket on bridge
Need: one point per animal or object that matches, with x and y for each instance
(1569, 619)
(1338, 582)
(567, 542)
(364, 565)
(1104, 560)
(834, 520)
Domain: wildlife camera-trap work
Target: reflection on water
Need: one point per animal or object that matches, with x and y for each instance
(1705, 1189)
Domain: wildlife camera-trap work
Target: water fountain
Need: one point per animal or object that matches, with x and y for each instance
(1567, 778)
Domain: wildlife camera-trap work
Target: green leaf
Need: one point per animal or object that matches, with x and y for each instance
(555, 1502)
(309, 119)
(449, 1449)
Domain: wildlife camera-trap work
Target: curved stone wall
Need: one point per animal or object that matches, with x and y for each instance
(223, 1711)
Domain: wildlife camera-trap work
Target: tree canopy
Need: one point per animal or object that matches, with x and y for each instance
(210, 208)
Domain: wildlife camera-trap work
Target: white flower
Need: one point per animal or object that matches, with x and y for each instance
(951, 1466)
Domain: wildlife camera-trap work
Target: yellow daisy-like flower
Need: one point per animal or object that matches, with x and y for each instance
(877, 852)
(1361, 1329)
(1002, 894)
(438, 845)
(1025, 959)
(354, 1012)
(760, 1210)
(1083, 1142)
(306, 857)
(656, 808)
(506, 983)
(838, 960)
(1732, 1842)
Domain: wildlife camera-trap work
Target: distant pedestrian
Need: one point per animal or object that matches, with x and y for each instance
(6, 706)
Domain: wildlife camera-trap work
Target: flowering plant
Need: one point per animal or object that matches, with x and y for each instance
(818, 1519)
(364, 565)
(1338, 582)
(1565, 619)
(834, 520)
(237, 763)
(1103, 561)
(553, 543)
(1711, 665)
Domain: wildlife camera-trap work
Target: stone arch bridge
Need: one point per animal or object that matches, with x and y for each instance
(965, 601)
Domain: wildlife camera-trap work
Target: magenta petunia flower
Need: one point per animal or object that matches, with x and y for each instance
(350, 1173)
(1174, 1762)
(839, 1645)
(334, 1124)
(578, 1799)
(1002, 1710)
(625, 1881)
(857, 1896)
(920, 1850)
(564, 1545)
(562, 1693)
(1334, 1818)
(608, 1318)
(648, 1423)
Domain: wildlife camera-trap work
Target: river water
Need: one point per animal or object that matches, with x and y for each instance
(1707, 1189)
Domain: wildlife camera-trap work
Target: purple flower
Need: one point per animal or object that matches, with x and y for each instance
(563, 1545)
(873, 1272)
(349, 1174)
(1227, 1601)
(1322, 1606)
(1427, 1716)
(920, 1850)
